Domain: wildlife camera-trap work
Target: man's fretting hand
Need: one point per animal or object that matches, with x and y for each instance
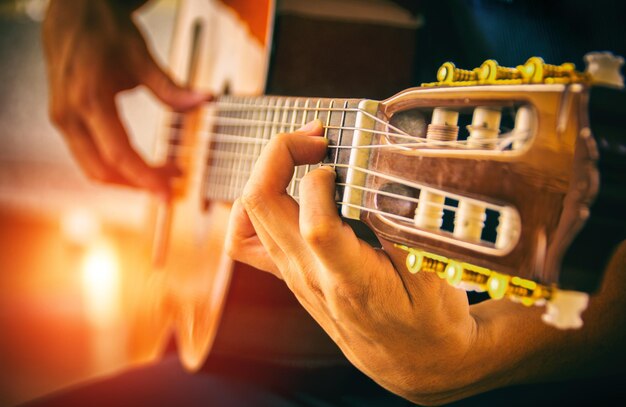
(393, 326)
(413, 334)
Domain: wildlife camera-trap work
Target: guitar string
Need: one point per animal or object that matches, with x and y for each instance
(367, 209)
(237, 121)
(305, 110)
(502, 141)
(386, 214)
(243, 175)
(242, 123)
(222, 170)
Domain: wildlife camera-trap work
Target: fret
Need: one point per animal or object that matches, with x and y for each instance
(307, 167)
(234, 148)
(340, 132)
(292, 127)
(241, 147)
(305, 112)
(257, 133)
(284, 120)
(251, 150)
(265, 114)
(217, 160)
(330, 111)
(229, 168)
(241, 151)
(240, 178)
(298, 171)
(275, 118)
(230, 147)
(294, 115)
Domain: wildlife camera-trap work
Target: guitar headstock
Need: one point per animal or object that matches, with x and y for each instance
(484, 177)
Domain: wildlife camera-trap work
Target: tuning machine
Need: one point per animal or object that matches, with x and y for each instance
(563, 308)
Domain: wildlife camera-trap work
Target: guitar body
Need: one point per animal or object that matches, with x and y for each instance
(213, 50)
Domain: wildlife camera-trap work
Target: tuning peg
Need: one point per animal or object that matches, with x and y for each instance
(604, 69)
(490, 71)
(448, 73)
(535, 70)
(565, 308)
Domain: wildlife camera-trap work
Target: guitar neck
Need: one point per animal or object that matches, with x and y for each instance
(242, 126)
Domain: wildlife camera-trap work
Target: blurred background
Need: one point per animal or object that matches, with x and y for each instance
(69, 249)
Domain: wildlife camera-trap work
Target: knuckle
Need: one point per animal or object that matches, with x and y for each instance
(348, 296)
(355, 294)
(59, 115)
(319, 231)
(83, 100)
(316, 179)
(113, 154)
(252, 198)
(281, 140)
(98, 173)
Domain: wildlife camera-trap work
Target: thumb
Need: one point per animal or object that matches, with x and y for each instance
(170, 93)
(153, 76)
(321, 227)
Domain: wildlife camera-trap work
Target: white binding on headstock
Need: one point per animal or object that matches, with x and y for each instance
(359, 158)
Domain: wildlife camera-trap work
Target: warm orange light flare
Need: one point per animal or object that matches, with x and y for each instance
(100, 272)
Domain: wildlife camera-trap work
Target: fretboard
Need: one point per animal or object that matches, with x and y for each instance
(242, 126)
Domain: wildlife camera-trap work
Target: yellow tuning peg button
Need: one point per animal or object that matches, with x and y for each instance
(414, 261)
(497, 285)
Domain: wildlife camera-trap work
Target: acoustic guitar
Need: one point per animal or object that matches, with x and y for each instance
(488, 177)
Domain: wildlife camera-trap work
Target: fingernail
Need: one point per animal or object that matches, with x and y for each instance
(327, 167)
(311, 125)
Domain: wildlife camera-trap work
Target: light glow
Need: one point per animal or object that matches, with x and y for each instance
(100, 272)
(80, 227)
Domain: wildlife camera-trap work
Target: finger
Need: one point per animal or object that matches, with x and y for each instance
(274, 168)
(114, 146)
(244, 245)
(86, 153)
(265, 197)
(322, 229)
(150, 73)
(296, 268)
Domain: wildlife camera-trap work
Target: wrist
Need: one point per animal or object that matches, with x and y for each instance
(446, 370)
